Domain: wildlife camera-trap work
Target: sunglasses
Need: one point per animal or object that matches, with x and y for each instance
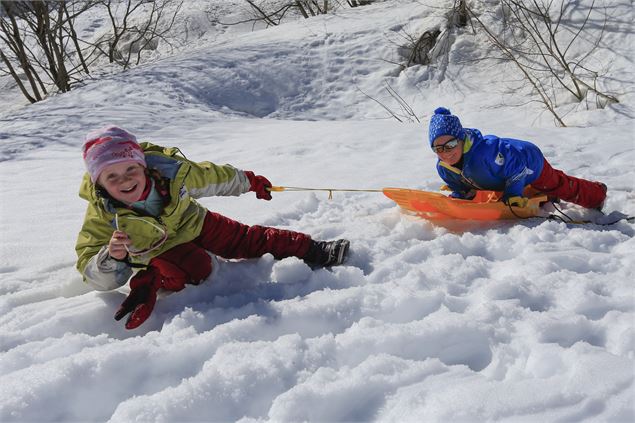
(448, 146)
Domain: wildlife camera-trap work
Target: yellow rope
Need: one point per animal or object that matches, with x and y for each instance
(330, 190)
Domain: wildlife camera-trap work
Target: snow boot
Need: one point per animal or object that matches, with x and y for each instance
(327, 253)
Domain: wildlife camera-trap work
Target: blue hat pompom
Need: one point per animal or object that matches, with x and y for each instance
(442, 111)
(443, 122)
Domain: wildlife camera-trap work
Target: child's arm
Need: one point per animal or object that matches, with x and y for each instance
(99, 269)
(515, 172)
(206, 179)
(104, 273)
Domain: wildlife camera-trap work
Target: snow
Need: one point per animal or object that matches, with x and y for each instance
(467, 321)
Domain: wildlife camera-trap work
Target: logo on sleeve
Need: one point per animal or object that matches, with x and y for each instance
(182, 192)
(500, 160)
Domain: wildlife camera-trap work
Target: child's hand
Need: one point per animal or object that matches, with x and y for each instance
(516, 201)
(143, 295)
(117, 245)
(260, 185)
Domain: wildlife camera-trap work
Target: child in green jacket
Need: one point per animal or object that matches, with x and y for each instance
(142, 213)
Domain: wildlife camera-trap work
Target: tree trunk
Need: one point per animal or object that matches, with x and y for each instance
(20, 52)
(73, 34)
(16, 78)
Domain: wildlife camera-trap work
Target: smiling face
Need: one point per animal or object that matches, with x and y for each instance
(124, 181)
(452, 156)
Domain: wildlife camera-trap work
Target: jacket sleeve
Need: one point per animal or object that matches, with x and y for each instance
(203, 179)
(515, 171)
(206, 179)
(104, 273)
(99, 270)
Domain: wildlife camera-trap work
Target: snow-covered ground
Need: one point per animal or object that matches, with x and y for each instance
(471, 321)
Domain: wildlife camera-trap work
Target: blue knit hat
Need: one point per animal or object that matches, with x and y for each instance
(443, 122)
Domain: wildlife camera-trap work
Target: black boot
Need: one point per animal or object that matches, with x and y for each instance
(327, 253)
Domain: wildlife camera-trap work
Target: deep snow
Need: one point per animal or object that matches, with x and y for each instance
(469, 321)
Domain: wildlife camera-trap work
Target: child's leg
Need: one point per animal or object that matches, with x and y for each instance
(185, 263)
(231, 239)
(556, 183)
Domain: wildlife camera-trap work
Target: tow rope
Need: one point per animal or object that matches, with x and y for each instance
(329, 190)
(563, 217)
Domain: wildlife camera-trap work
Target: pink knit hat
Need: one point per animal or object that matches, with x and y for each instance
(109, 145)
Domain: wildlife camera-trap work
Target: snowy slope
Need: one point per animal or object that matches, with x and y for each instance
(473, 321)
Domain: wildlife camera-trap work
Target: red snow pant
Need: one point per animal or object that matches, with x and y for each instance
(190, 263)
(554, 182)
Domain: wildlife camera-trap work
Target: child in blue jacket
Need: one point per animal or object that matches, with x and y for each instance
(469, 161)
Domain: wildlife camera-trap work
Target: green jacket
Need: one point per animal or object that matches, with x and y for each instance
(181, 220)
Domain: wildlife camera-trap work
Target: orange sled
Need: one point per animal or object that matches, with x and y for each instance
(484, 206)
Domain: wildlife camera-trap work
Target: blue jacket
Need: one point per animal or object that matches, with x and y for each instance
(492, 163)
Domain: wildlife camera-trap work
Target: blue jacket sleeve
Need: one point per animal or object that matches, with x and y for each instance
(515, 171)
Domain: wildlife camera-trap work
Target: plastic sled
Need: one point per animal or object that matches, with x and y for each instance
(484, 206)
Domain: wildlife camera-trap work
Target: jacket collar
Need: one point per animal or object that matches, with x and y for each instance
(467, 145)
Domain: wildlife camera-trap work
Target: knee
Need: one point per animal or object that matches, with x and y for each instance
(171, 277)
(198, 266)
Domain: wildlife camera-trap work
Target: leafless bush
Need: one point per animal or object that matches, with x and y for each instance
(433, 42)
(418, 50)
(551, 50)
(405, 112)
(39, 47)
(42, 52)
(136, 29)
(272, 14)
(357, 3)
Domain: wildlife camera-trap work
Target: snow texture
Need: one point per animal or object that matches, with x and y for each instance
(468, 321)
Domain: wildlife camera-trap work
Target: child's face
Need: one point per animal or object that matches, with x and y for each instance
(451, 156)
(123, 181)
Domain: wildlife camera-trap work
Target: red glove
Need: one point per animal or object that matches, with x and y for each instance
(142, 297)
(259, 185)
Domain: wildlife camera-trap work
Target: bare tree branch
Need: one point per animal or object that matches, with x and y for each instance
(540, 40)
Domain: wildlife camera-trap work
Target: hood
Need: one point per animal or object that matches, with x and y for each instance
(87, 189)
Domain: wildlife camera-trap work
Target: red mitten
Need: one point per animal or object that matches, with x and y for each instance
(143, 295)
(259, 185)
